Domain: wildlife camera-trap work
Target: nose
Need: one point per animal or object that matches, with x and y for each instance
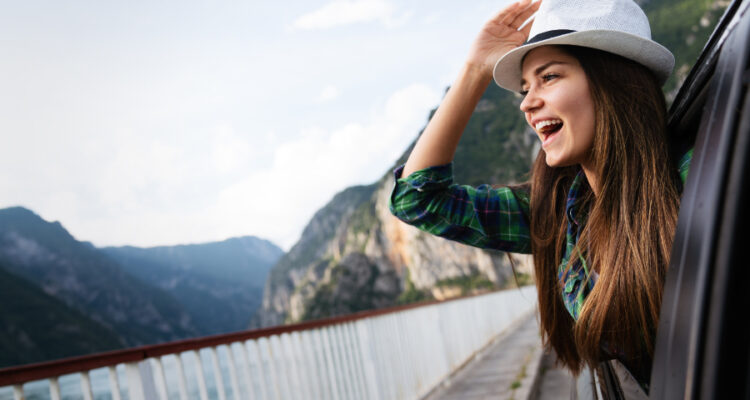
(531, 101)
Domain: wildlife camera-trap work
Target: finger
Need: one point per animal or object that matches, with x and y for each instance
(519, 8)
(526, 29)
(508, 13)
(524, 15)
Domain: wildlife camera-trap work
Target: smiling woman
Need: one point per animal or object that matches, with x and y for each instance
(600, 210)
(558, 105)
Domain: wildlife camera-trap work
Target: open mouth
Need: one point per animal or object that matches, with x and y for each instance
(548, 128)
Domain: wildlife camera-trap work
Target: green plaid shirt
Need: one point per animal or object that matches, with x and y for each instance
(494, 218)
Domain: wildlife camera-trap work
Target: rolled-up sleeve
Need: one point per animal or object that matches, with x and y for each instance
(485, 217)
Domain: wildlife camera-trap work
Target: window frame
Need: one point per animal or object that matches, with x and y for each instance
(702, 348)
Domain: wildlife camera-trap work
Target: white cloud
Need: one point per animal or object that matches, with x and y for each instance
(308, 170)
(327, 94)
(172, 133)
(230, 151)
(345, 12)
(138, 193)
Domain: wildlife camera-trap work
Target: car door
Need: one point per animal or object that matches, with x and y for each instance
(703, 340)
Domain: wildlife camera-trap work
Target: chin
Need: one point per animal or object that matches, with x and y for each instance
(551, 161)
(556, 162)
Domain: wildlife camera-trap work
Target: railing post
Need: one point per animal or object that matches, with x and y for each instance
(352, 366)
(291, 367)
(140, 381)
(369, 358)
(346, 365)
(398, 353)
(135, 385)
(330, 363)
(86, 386)
(255, 356)
(321, 363)
(248, 373)
(236, 395)
(303, 371)
(357, 360)
(18, 392)
(388, 346)
(147, 378)
(54, 388)
(265, 346)
(278, 366)
(181, 379)
(218, 379)
(313, 375)
(114, 385)
(407, 331)
(200, 376)
(161, 379)
(335, 344)
(385, 341)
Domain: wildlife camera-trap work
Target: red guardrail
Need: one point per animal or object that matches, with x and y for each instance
(30, 372)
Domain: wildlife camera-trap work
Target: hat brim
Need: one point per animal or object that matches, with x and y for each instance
(652, 55)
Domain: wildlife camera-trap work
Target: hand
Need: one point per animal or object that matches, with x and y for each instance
(501, 35)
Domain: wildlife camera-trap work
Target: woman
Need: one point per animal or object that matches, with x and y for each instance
(600, 210)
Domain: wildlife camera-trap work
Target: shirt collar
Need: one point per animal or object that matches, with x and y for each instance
(575, 215)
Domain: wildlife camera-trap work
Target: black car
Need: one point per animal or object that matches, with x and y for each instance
(703, 339)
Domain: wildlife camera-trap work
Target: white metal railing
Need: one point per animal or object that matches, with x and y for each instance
(394, 354)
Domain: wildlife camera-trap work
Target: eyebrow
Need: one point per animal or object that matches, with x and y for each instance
(541, 68)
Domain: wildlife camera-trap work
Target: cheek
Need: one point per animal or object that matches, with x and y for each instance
(589, 117)
(527, 117)
(583, 111)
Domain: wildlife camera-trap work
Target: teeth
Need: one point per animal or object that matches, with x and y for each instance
(543, 124)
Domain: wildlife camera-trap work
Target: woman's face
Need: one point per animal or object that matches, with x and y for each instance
(558, 105)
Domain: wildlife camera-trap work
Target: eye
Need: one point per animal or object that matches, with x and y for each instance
(523, 92)
(549, 76)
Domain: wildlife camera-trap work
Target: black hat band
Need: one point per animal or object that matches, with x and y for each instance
(548, 34)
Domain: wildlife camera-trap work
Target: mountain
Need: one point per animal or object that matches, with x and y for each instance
(35, 326)
(55, 290)
(683, 26)
(354, 255)
(88, 281)
(219, 284)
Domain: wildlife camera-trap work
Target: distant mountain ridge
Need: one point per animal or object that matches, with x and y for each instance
(85, 299)
(239, 258)
(62, 331)
(220, 284)
(87, 280)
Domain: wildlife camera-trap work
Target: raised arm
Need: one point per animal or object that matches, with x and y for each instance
(499, 35)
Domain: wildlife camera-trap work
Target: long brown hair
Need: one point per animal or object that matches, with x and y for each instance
(631, 222)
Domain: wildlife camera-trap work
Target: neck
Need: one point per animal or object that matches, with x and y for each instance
(591, 177)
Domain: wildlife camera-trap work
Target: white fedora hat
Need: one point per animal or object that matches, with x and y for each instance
(616, 26)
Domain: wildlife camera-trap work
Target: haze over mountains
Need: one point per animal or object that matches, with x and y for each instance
(220, 284)
(124, 296)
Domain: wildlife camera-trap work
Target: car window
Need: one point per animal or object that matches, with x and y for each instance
(702, 341)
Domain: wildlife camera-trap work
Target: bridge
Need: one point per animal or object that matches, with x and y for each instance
(483, 346)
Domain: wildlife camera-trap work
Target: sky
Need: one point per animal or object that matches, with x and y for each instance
(152, 123)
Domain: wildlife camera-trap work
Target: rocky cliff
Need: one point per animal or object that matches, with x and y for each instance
(354, 255)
